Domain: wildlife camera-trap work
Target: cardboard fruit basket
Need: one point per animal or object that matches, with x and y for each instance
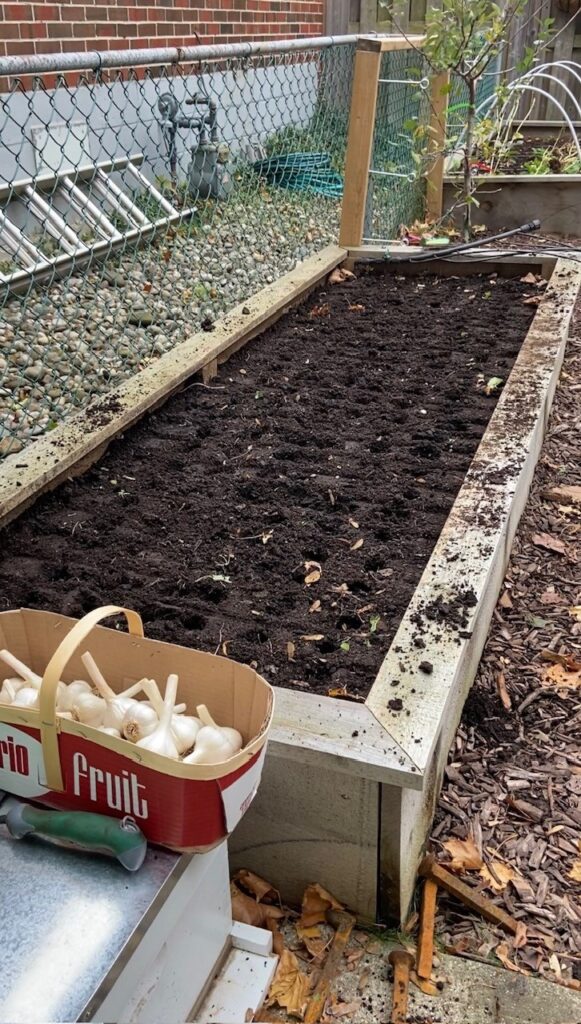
(65, 764)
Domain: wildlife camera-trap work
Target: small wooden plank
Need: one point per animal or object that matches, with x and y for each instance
(389, 44)
(439, 91)
(425, 953)
(80, 440)
(359, 144)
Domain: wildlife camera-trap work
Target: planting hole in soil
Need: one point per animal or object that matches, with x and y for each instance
(284, 514)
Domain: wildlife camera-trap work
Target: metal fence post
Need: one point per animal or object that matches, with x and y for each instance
(439, 91)
(360, 141)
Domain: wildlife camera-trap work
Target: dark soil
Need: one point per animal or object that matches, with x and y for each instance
(330, 450)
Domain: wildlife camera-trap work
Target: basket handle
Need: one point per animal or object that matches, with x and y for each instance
(52, 675)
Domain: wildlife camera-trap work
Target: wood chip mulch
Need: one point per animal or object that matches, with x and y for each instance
(513, 783)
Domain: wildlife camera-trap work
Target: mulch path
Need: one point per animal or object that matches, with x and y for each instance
(513, 782)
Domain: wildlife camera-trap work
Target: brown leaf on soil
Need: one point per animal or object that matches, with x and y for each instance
(356, 307)
(564, 493)
(311, 637)
(316, 902)
(520, 938)
(248, 911)
(505, 600)
(259, 887)
(358, 544)
(290, 987)
(532, 300)
(277, 937)
(313, 577)
(354, 524)
(335, 1011)
(290, 650)
(340, 275)
(319, 311)
(567, 660)
(548, 542)
(315, 606)
(561, 679)
(497, 875)
(464, 853)
(551, 597)
(503, 692)
(529, 279)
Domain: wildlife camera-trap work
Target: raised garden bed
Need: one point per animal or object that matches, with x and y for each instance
(211, 516)
(539, 178)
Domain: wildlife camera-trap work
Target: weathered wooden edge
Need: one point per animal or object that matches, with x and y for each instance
(467, 554)
(491, 260)
(338, 734)
(388, 44)
(481, 180)
(81, 440)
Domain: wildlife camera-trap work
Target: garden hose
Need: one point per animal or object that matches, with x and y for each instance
(302, 172)
(532, 225)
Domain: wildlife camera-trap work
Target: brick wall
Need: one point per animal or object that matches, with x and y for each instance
(72, 25)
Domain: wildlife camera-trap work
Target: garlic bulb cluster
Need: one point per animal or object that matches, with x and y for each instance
(157, 724)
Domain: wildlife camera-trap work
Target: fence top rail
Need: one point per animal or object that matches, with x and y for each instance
(97, 60)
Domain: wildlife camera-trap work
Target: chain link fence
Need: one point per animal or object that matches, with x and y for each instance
(143, 195)
(396, 192)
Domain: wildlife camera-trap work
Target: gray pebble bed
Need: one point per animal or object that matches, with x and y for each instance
(62, 346)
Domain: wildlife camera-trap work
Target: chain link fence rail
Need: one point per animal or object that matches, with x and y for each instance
(143, 194)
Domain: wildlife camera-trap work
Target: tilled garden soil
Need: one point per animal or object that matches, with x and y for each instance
(284, 514)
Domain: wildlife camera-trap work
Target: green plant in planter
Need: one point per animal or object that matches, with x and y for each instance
(464, 38)
(540, 162)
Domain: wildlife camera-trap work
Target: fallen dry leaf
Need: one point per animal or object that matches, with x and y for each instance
(313, 577)
(505, 601)
(551, 597)
(340, 275)
(290, 987)
(567, 660)
(464, 853)
(354, 524)
(312, 636)
(290, 650)
(315, 606)
(532, 300)
(575, 872)
(520, 937)
(316, 902)
(338, 1010)
(248, 911)
(548, 542)
(319, 311)
(312, 939)
(356, 307)
(501, 952)
(564, 493)
(529, 279)
(358, 544)
(497, 875)
(562, 679)
(342, 693)
(259, 887)
(503, 692)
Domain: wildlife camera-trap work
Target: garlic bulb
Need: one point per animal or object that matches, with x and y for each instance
(10, 688)
(89, 709)
(184, 728)
(27, 697)
(161, 741)
(31, 678)
(116, 704)
(214, 743)
(67, 696)
(109, 731)
(140, 720)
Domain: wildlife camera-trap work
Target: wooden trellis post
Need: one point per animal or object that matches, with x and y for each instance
(439, 91)
(361, 127)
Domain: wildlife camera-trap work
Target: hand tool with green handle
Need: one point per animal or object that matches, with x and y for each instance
(80, 830)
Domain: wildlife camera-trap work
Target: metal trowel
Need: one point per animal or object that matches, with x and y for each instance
(120, 838)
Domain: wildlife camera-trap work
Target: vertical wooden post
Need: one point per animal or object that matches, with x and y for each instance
(360, 141)
(435, 176)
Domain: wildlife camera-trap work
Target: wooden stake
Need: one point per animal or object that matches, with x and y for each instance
(345, 923)
(429, 868)
(435, 176)
(402, 962)
(359, 145)
(426, 935)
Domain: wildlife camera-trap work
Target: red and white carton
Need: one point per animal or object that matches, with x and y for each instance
(64, 764)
